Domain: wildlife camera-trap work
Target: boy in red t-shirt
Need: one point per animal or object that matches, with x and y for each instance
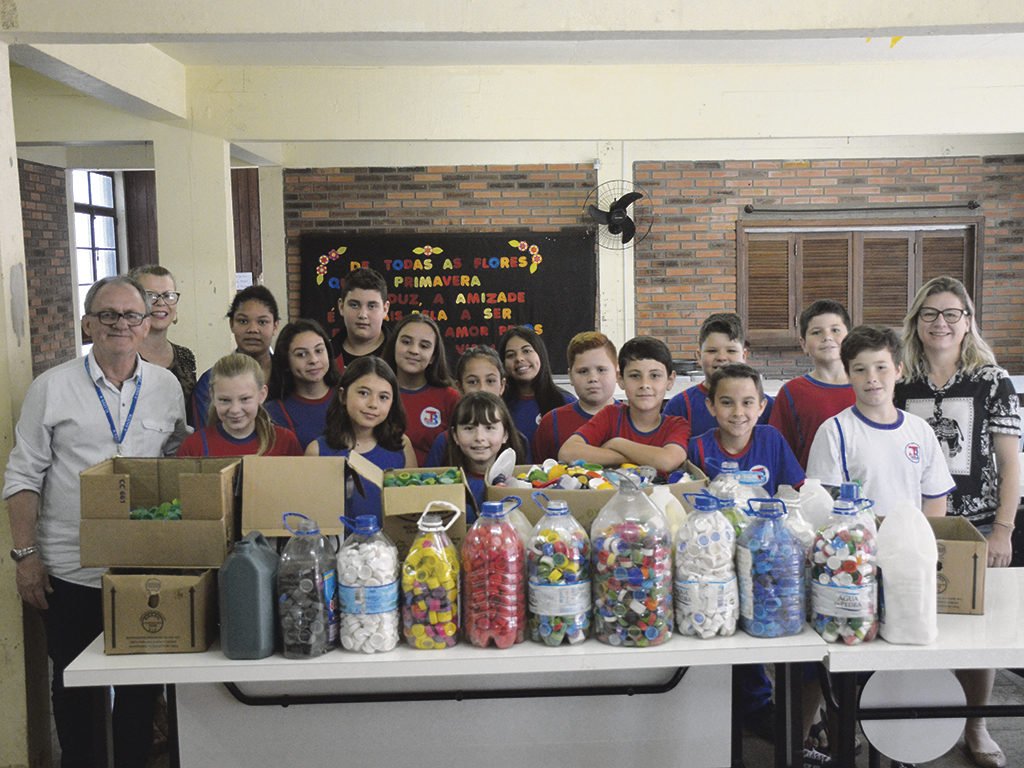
(592, 359)
(635, 432)
(804, 403)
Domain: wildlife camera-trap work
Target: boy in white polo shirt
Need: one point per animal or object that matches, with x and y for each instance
(894, 455)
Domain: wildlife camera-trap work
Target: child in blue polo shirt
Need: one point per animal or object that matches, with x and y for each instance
(736, 400)
(721, 341)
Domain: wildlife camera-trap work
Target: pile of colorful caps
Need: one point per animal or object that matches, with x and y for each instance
(169, 510)
(403, 478)
(569, 477)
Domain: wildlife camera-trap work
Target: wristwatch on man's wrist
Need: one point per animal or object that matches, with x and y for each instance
(17, 555)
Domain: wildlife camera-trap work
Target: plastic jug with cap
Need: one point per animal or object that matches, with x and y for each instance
(558, 571)
(632, 566)
(494, 580)
(844, 586)
(706, 597)
(246, 588)
(770, 570)
(367, 587)
(307, 599)
(430, 583)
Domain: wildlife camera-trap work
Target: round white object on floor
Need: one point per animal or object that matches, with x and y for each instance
(915, 740)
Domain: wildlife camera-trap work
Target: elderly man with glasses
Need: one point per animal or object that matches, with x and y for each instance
(109, 403)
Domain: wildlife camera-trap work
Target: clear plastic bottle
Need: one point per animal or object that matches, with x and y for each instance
(368, 587)
(430, 584)
(494, 580)
(558, 570)
(844, 586)
(734, 488)
(770, 569)
(706, 597)
(307, 600)
(632, 557)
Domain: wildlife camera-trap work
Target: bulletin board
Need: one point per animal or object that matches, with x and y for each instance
(475, 285)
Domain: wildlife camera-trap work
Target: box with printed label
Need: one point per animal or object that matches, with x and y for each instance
(174, 612)
(200, 539)
(402, 505)
(584, 505)
(963, 558)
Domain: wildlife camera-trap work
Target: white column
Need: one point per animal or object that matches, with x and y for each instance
(196, 237)
(16, 372)
(272, 238)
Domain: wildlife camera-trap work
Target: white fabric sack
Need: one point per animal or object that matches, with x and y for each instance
(907, 557)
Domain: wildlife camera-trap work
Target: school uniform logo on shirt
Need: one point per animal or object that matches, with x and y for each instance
(430, 417)
(762, 471)
(913, 452)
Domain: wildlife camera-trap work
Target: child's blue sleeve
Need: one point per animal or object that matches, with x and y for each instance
(435, 456)
(788, 471)
(677, 407)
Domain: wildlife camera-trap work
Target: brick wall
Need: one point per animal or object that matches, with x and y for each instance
(44, 216)
(447, 199)
(686, 268)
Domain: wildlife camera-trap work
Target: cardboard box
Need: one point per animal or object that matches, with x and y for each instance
(584, 505)
(963, 558)
(311, 485)
(111, 489)
(159, 612)
(402, 506)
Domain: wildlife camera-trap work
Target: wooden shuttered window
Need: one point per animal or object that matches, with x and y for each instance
(770, 289)
(874, 268)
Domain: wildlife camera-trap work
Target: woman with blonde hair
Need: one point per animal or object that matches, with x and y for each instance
(953, 382)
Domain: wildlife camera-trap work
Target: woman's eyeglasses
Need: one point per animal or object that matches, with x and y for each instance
(930, 314)
(169, 297)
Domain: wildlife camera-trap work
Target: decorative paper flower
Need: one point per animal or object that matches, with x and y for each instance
(331, 255)
(427, 250)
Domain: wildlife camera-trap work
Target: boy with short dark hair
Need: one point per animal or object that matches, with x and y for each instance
(363, 306)
(721, 341)
(805, 402)
(591, 357)
(736, 399)
(894, 455)
(635, 432)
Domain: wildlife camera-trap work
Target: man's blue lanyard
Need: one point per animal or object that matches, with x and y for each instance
(118, 439)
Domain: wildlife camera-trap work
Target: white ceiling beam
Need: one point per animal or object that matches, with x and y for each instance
(201, 20)
(138, 79)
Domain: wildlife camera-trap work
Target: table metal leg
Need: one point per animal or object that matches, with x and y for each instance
(737, 721)
(845, 686)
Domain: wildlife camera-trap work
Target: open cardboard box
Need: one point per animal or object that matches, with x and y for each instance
(963, 558)
(311, 485)
(403, 505)
(584, 505)
(159, 612)
(111, 489)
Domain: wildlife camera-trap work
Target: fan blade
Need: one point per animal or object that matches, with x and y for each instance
(599, 216)
(625, 201)
(628, 230)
